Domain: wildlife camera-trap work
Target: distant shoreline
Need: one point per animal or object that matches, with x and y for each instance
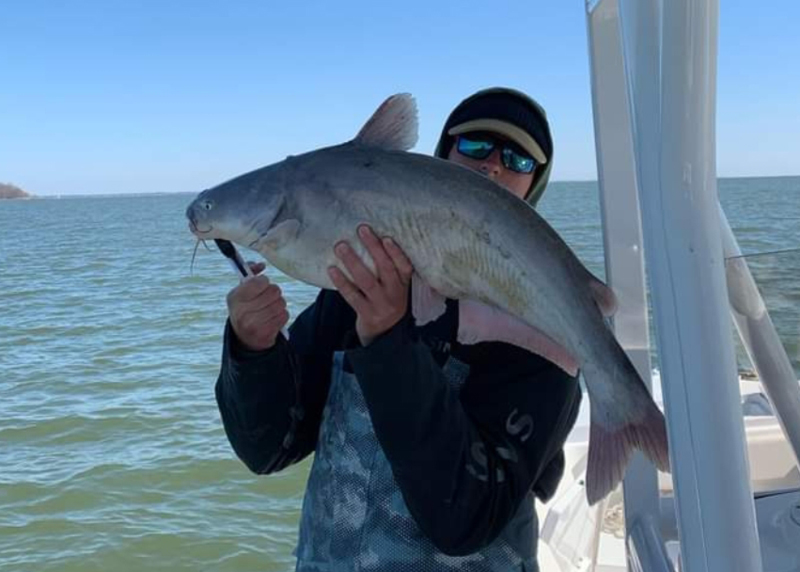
(114, 195)
(11, 192)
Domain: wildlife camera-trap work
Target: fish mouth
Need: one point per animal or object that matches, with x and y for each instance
(200, 233)
(197, 231)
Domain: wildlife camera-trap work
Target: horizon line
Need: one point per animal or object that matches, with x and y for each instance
(147, 193)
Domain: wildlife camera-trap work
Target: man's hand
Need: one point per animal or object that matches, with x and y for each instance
(257, 310)
(380, 301)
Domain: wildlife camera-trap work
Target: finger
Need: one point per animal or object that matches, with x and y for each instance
(383, 262)
(272, 293)
(265, 305)
(257, 297)
(401, 262)
(252, 287)
(237, 308)
(279, 319)
(259, 332)
(248, 289)
(272, 324)
(256, 267)
(349, 291)
(363, 277)
(253, 320)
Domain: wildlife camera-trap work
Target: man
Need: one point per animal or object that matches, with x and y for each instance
(428, 453)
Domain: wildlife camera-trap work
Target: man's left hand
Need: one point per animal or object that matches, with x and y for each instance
(379, 299)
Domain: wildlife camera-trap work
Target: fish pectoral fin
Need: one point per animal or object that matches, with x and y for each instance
(282, 233)
(426, 303)
(479, 322)
(393, 126)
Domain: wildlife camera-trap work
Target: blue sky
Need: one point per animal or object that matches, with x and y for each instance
(110, 96)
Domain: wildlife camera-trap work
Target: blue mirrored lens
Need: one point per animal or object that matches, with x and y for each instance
(475, 148)
(516, 162)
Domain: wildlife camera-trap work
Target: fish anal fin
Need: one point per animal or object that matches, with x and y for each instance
(479, 322)
(610, 449)
(426, 303)
(393, 126)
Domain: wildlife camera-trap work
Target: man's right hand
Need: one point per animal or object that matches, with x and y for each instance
(257, 310)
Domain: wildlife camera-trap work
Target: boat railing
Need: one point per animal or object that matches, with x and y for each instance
(761, 340)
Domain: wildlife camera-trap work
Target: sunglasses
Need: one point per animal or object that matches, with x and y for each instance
(480, 146)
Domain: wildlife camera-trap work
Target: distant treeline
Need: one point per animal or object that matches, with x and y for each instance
(12, 192)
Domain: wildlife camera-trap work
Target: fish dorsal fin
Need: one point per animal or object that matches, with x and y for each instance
(393, 126)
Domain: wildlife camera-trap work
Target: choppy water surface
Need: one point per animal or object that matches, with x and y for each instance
(112, 454)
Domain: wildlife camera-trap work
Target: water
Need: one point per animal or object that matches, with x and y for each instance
(112, 454)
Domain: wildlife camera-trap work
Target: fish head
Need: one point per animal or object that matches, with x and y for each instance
(241, 210)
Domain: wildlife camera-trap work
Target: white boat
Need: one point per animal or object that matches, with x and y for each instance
(577, 538)
(732, 502)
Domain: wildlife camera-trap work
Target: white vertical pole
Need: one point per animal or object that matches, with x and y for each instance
(622, 231)
(683, 248)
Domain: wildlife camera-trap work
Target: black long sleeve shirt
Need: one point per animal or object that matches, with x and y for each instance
(464, 460)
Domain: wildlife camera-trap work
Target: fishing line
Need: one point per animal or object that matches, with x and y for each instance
(763, 253)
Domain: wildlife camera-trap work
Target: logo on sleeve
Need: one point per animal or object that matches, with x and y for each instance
(520, 426)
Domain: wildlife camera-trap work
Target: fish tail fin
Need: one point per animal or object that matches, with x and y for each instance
(611, 446)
